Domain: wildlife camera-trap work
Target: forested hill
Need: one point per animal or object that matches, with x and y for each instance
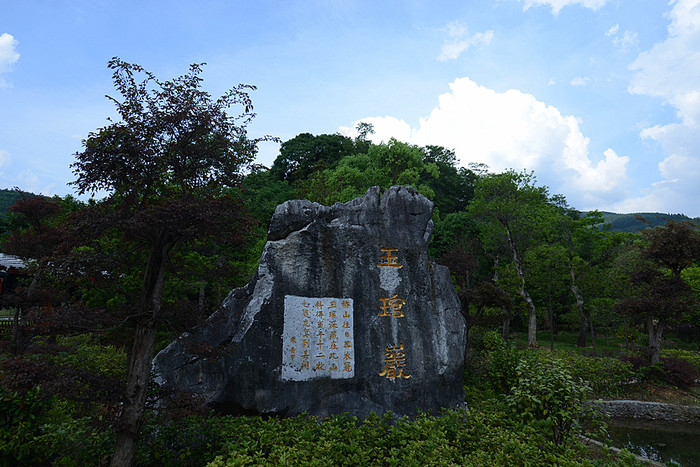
(633, 223)
(7, 198)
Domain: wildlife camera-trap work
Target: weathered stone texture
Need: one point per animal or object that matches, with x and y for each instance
(321, 251)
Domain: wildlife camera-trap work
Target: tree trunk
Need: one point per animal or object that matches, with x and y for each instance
(532, 313)
(531, 324)
(551, 328)
(583, 329)
(506, 325)
(15, 346)
(139, 371)
(590, 321)
(656, 330)
(131, 418)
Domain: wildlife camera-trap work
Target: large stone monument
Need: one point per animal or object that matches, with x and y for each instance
(346, 313)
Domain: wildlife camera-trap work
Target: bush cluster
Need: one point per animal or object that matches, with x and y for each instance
(547, 395)
(454, 438)
(678, 372)
(606, 376)
(39, 429)
(692, 357)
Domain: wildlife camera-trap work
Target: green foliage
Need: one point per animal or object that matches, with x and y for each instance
(501, 367)
(263, 193)
(453, 438)
(87, 353)
(74, 442)
(7, 199)
(692, 357)
(547, 395)
(384, 165)
(451, 231)
(188, 441)
(306, 153)
(492, 368)
(21, 418)
(604, 375)
(37, 429)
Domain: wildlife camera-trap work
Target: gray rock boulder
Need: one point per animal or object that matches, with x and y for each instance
(346, 313)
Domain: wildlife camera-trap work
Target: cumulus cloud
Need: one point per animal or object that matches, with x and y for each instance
(557, 5)
(8, 55)
(459, 40)
(670, 70)
(514, 130)
(580, 81)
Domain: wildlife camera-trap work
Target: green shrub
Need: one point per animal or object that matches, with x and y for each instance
(21, 419)
(36, 429)
(492, 340)
(633, 334)
(89, 354)
(548, 395)
(692, 357)
(475, 437)
(74, 441)
(500, 367)
(606, 376)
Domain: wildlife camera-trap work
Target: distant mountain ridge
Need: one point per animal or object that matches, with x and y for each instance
(7, 199)
(631, 223)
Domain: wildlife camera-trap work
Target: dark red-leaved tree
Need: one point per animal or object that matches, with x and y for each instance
(475, 293)
(167, 166)
(34, 237)
(663, 296)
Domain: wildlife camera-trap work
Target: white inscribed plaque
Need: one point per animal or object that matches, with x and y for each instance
(317, 340)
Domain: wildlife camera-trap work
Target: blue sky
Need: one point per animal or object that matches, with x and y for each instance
(600, 98)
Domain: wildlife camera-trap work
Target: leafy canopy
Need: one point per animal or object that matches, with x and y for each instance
(173, 138)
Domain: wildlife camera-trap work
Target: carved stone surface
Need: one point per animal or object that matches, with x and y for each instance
(407, 334)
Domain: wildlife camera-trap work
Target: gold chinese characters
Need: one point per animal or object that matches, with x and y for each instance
(395, 356)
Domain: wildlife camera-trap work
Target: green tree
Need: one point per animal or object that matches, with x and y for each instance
(453, 186)
(384, 165)
(590, 246)
(165, 165)
(306, 153)
(517, 212)
(547, 277)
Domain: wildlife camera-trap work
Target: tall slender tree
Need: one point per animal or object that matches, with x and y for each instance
(165, 166)
(515, 209)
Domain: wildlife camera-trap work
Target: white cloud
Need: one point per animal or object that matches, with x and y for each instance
(580, 81)
(557, 5)
(8, 55)
(30, 181)
(670, 70)
(385, 128)
(612, 32)
(626, 41)
(458, 40)
(514, 130)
